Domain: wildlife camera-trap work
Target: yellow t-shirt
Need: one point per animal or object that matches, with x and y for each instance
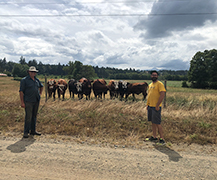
(154, 90)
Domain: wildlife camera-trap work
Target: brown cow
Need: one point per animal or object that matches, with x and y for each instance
(84, 87)
(61, 88)
(113, 88)
(136, 88)
(51, 88)
(100, 88)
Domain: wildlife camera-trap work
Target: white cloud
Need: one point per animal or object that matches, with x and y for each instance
(140, 42)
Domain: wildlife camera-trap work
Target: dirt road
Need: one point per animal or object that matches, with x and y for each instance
(38, 158)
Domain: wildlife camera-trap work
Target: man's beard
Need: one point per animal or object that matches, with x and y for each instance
(154, 79)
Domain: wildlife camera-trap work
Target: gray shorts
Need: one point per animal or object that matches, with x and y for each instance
(154, 116)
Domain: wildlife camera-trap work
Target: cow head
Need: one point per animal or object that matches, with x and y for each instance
(116, 85)
(123, 85)
(79, 87)
(62, 88)
(51, 83)
(86, 83)
(71, 81)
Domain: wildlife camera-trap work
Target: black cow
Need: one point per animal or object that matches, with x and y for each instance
(72, 88)
(84, 88)
(122, 88)
(51, 88)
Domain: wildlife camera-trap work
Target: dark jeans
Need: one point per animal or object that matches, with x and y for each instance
(31, 109)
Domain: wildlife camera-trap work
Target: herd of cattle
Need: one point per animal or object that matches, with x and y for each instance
(117, 89)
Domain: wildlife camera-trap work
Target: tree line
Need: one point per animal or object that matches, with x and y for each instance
(77, 70)
(201, 74)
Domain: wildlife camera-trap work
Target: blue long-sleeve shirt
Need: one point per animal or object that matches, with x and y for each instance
(30, 89)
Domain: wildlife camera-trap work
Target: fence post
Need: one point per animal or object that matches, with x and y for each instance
(165, 98)
(45, 83)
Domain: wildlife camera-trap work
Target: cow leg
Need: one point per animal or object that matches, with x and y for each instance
(58, 94)
(54, 95)
(49, 93)
(134, 97)
(144, 95)
(80, 96)
(126, 96)
(95, 94)
(111, 95)
(121, 96)
(114, 95)
(117, 94)
(63, 96)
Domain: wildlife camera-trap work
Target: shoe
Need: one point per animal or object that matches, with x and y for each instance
(25, 135)
(35, 133)
(151, 139)
(161, 141)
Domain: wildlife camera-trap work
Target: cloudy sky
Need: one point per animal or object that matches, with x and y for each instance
(140, 34)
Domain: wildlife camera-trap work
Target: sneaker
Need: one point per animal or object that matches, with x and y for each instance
(161, 141)
(151, 139)
(35, 133)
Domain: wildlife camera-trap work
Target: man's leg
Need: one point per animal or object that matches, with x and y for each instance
(160, 130)
(28, 117)
(154, 130)
(34, 116)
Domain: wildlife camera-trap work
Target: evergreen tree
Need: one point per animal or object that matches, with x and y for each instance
(22, 60)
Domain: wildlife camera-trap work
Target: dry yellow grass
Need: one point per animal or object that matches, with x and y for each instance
(189, 117)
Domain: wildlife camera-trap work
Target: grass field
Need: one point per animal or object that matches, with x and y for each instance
(189, 116)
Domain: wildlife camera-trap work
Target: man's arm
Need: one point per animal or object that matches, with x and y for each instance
(162, 95)
(41, 90)
(22, 99)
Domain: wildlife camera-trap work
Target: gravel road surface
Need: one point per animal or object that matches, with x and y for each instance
(39, 158)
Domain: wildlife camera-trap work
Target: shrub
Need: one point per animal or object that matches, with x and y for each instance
(184, 84)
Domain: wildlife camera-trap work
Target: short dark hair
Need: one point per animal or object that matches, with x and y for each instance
(154, 71)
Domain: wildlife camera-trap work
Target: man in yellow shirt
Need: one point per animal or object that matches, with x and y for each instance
(156, 93)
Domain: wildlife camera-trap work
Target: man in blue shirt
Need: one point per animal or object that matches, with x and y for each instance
(30, 91)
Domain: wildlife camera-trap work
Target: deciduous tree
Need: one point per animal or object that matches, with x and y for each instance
(202, 72)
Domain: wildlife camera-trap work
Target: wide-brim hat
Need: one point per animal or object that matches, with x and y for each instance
(32, 69)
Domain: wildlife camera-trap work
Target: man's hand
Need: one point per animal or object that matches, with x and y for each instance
(157, 108)
(22, 99)
(23, 105)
